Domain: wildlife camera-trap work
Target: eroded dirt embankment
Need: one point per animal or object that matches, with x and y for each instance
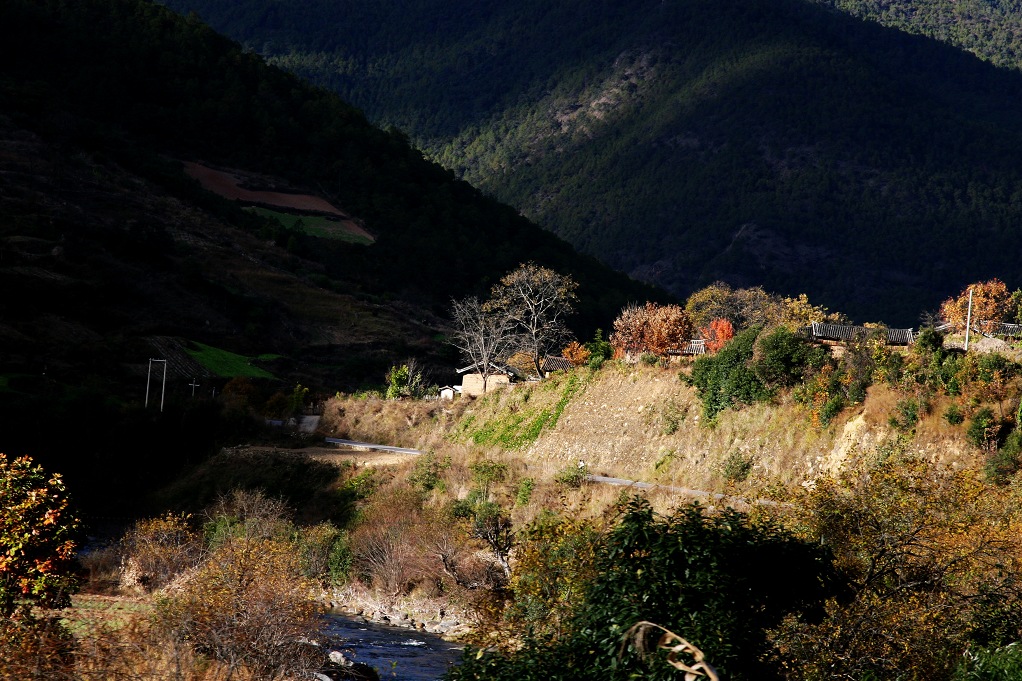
(643, 423)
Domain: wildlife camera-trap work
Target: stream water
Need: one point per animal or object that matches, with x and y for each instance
(396, 653)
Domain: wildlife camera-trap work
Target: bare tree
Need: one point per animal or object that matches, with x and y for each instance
(483, 334)
(537, 300)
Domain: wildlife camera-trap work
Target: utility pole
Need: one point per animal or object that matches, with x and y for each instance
(163, 390)
(968, 321)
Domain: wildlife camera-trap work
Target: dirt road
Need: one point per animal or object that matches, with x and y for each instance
(340, 456)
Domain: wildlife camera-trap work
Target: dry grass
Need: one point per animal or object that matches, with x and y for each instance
(405, 423)
(642, 423)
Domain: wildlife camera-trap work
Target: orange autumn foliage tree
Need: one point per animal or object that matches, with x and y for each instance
(629, 332)
(576, 353)
(37, 537)
(991, 303)
(717, 334)
(657, 329)
(669, 329)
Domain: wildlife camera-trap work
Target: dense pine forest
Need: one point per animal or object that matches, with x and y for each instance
(786, 143)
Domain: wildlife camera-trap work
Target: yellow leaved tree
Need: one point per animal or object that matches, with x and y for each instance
(991, 303)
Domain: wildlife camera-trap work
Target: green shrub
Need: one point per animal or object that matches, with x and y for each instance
(599, 350)
(736, 468)
(831, 408)
(649, 359)
(991, 664)
(954, 415)
(1004, 463)
(906, 414)
(325, 553)
(740, 578)
(573, 476)
(523, 494)
(929, 340)
(783, 358)
(427, 475)
(486, 473)
(672, 415)
(725, 380)
(983, 429)
(340, 560)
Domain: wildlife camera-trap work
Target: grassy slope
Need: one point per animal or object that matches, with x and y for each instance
(642, 423)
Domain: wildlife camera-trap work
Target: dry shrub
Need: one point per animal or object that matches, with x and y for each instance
(158, 550)
(102, 567)
(324, 552)
(930, 556)
(248, 513)
(140, 650)
(385, 547)
(32, 648)
(133, 650)
(249, 608)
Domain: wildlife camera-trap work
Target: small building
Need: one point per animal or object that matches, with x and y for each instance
(449, 392)
(472, 383)
(845, 333)
(696, 346)
(837, 336)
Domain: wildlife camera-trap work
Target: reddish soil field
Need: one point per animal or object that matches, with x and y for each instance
(230, 185)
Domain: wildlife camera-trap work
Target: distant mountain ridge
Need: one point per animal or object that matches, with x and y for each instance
(771, 142)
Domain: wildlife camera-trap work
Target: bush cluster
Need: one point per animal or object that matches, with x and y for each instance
(742, 577)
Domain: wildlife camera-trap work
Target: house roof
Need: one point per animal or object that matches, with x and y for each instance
(557, 364)
(1004, 329)
(696, 346)
(475, 368)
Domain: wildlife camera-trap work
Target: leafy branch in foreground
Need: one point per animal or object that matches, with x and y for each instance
(36, 533)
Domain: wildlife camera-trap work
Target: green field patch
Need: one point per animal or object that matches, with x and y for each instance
(313, 225)
(520, 426)
(228, 364)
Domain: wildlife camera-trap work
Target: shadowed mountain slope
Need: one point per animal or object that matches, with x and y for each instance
(773, 142)
(107, 240)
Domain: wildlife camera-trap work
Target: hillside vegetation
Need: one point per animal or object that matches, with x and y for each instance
(845, 509)
(111, 254)
(776, 143)
(885, 488)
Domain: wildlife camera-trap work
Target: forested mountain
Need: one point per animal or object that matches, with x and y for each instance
(101, 97)
(111, 255)
(990, 29)
(773, 142)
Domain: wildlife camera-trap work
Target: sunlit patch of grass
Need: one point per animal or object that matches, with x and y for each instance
(228, 364)
(516, 426)
(87, 611)
(313, 225)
